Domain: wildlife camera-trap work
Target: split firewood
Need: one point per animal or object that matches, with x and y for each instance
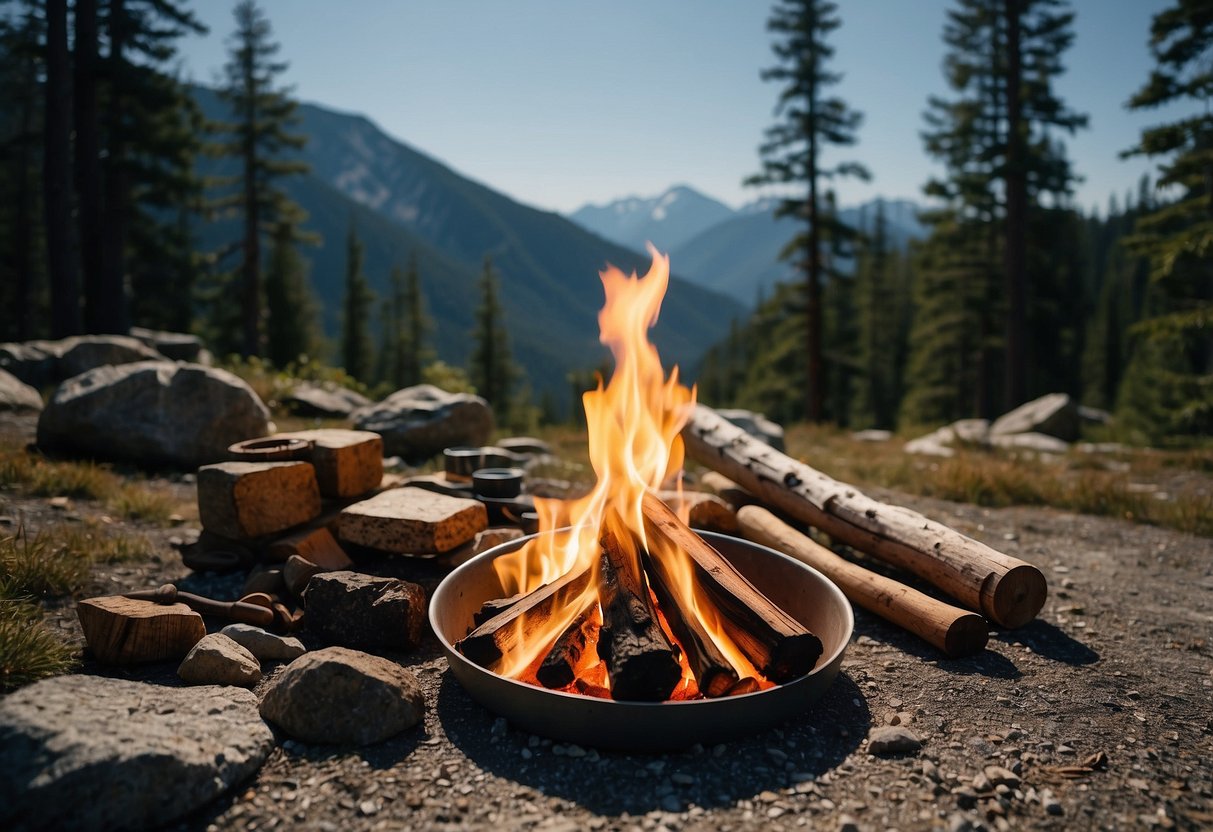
(776, 643)
(642, 662)
(494, 606)
(559, 667)
(129, 631)
(714, 673)
(957, 632)
(1007, 590)
(497, 636)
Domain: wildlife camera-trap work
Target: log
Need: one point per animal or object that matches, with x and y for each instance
(126, 631)
(559, 667)
(1006, 590)
(488, 642)
(954, 631)
(642, 663)
(776, 643)
(714, 673)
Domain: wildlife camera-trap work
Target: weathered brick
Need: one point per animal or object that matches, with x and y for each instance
(349, 463)
(412, 521)
(241, 500)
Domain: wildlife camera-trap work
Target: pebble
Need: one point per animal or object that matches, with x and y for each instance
(1000, 776)
(368, 807)
(847, 823)
(892, 739)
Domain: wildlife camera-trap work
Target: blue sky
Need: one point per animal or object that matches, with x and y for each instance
(559, 103)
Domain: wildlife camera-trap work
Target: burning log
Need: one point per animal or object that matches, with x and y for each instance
(776, 643)
(1007, 590)
(488, 642)
(955, 631)
(559, 667)
(641, 661)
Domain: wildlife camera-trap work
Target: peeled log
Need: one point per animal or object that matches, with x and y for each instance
(1007, 590)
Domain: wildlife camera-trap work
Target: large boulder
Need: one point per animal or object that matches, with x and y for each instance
(1055, 414)
(17, 395)
(152, 413)
(327, 401)
(41, 363)
(756, 425)
(418, 422)
(89, 752)
(179, 346)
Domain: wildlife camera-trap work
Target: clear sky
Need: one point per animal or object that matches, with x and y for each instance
(562, 102)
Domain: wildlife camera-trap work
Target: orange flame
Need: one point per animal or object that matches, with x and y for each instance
(634, 447)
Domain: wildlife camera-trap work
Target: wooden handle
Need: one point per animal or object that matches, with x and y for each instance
(1008, 591)
(955, 631)
(239, 611)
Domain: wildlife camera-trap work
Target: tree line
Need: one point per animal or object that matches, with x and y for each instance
(102, 195)
(1014, 292)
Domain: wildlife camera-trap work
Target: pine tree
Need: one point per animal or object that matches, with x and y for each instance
(291, 329)
(61, 255)
(1168, 386)
(356, 349)
(792, 153)
(875, 401)
(260, 138)
(491, 370)
(414, 354)
(1003, 168)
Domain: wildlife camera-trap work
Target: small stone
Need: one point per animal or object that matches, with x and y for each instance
(682, 779)
(297, 571)
(1000, 776)
(218, 660)
(982, 783)
(368, 807)
(1052, 805)
(847, 823)
(343, 697)
(966, 798)
(892, 739)
(266, 647)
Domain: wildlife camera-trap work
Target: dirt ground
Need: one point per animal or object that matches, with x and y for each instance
(1102, 709)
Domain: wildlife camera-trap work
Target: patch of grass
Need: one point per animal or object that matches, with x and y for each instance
(38, 476)
(997, 479)
(33, 567)
(29, 649)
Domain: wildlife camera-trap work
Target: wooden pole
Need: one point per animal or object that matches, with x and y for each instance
(1006, 590)
(955, 631)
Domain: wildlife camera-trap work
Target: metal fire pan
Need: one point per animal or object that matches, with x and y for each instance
(799, 589)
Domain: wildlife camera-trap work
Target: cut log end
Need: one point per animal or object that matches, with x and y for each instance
(1015, 597)
(967, 635)
(793, 657)
(645, 677)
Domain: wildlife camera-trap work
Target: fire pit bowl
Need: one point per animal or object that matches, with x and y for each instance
(800, 590)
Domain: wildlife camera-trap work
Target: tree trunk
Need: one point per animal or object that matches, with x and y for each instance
(251, 267)
(23, 223)
(1015, 253)
(815, 387)
(111, 284)
(56, 177)
(88, 162)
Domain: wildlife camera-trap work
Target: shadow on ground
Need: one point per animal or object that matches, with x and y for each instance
(1050, 642)
(612, 783)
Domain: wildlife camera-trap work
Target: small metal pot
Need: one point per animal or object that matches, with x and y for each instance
(800, 590)
(270, 449)
(498, 483)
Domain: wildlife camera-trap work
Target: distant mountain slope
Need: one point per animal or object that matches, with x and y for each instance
(402, 201)
(668, 220)
(740, 256)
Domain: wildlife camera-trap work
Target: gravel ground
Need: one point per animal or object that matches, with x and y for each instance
(1097, 715)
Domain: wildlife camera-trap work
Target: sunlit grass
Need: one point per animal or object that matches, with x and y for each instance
(37, 476)
(29, 649)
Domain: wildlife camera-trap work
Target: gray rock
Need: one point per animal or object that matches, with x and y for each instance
(179, 346)
(343, 697)
(152, 413)
(1035, 442)
(1055, 414)
(266, 647)
(892, 739)
(935, 443)
(756, 425)
(16, 395)
(970, 431)
(41, 363)
(999, 776)
(88, 752)
(1094, 415)
(872, 435)
(419, 422)
(218, 660)
(324, 401)
(356, 610)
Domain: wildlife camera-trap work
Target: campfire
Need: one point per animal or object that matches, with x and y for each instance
(616, 597)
